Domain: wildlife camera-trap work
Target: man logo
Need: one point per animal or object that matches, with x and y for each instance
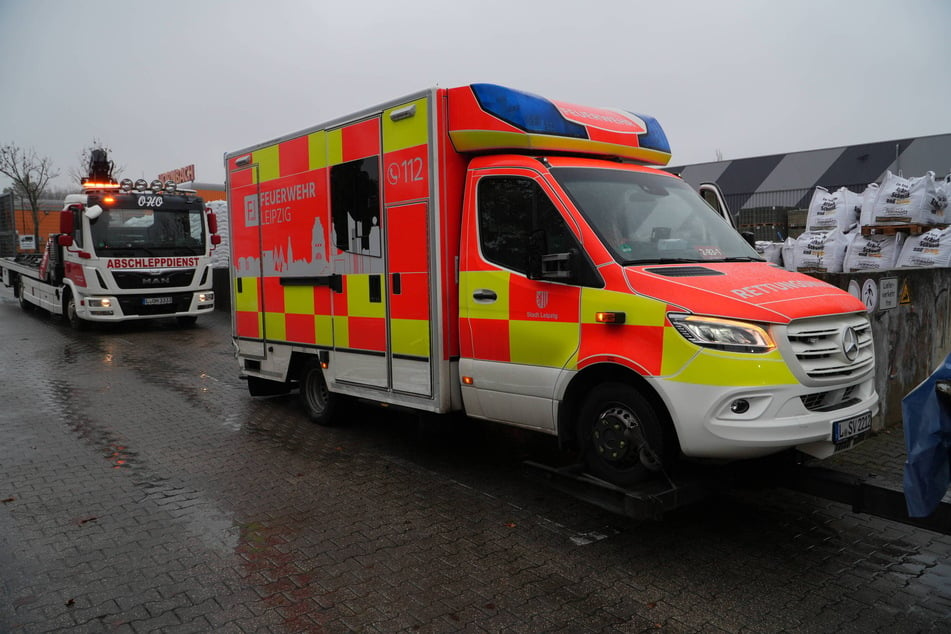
(541, 299)
(850, 343)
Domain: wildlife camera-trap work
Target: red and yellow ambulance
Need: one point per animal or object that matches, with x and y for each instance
(522, 260)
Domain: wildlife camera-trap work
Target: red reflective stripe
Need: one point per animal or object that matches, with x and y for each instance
(273, 295)
(490, 339)
(642, 344)
(361, 140)
(294, 156)
(246, 324)
(367, 333)
(300, 328)
(413, 300)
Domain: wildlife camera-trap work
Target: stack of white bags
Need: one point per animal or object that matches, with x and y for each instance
(833, 241)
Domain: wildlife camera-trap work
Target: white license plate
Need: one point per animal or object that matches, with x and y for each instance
(850, 427)
(156, 301)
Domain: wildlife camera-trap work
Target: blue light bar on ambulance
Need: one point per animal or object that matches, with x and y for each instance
(528, 112)
(487, 117)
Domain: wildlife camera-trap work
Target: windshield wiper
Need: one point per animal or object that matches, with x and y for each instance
(745, 258)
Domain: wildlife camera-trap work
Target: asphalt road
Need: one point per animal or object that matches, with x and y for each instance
(143, 490)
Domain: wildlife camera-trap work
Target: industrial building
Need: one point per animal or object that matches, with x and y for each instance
(770, 194)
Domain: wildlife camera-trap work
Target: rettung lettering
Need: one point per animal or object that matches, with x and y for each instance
(774, 287)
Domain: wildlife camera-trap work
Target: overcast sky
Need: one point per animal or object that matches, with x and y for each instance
(180, 82)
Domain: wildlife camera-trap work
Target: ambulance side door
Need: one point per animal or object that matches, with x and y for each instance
(517, 332)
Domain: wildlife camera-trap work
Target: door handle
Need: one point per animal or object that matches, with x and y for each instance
(484, 295)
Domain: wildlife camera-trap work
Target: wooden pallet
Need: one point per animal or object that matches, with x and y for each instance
(890, 230)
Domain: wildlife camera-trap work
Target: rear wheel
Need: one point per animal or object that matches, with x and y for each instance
(21, 295)
(319, 402)
(622, 440)
(69, 311)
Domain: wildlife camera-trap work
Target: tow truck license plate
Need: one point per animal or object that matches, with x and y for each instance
(845, 429)
(156, 301)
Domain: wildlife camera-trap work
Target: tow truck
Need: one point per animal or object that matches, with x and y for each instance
(124, 251)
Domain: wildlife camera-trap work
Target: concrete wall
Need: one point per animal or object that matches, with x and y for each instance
(912, 329)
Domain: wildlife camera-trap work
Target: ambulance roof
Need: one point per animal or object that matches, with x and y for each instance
(487, 117)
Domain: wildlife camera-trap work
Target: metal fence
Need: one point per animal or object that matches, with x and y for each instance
(8, 229)
(779, 214)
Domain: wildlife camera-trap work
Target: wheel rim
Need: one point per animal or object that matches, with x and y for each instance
(617, 438)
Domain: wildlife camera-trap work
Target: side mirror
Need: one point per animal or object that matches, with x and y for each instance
(93, 212)
(212, 222)
(65, 240)
(215, 239)
(66, 218)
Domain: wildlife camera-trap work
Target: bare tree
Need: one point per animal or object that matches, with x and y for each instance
(30, 175)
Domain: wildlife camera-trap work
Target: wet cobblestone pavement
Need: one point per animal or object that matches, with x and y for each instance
(143, 490)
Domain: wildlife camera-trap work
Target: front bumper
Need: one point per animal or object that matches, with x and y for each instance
(112, 308)
(777, 417)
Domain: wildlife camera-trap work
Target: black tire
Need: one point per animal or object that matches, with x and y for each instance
(69, 312)
(621, 438)
(319, 402)
(186, 321)
(21, 295)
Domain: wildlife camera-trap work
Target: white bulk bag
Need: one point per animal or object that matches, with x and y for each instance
(907, 201)
(869, 196)
(822, 251)
(836, 210)
(930, 249)
(873, 253)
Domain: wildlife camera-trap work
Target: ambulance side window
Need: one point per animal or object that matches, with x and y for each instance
(355, 206)
(510, 210)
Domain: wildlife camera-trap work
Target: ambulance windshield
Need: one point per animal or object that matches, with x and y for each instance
(646, 218)
(134, 232)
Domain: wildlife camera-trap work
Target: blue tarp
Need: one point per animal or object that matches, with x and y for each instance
(926, 416)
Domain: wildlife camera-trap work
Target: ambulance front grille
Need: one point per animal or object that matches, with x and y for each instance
(165, 278)
(833, 349)
(830, 401)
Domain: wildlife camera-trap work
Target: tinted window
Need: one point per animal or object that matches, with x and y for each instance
(355, 206)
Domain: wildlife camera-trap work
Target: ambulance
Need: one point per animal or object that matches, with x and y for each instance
(488, 251)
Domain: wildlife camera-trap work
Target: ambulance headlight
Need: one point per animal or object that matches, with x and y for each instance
(99, 302)
(207, 296)
(722, 334)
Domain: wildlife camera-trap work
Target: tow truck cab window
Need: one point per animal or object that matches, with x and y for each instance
(515, 217)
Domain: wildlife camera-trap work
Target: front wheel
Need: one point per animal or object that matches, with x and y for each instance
(318, 400)
(77, 322)
(622, 439)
